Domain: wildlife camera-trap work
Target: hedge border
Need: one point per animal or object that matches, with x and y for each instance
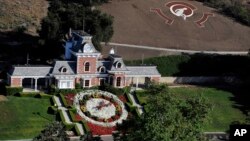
(68, 126)
(13, 90)
(129, 99)
(64, 100)
(85, 126)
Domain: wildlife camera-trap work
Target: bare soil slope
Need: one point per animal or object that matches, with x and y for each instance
(14, 13)
(135, 24)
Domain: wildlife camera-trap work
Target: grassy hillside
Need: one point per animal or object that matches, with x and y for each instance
(27, 13)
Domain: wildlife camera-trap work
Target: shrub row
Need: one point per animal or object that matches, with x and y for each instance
(13, 90)
(137, 112)
(77, 130)
(67, 125)
(199, 65)
(33, 94)
(52, 110)
(72, 116)
(64, 100)
(85, 126)
(129, 99)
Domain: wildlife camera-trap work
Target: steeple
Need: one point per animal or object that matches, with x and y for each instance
(112, 51)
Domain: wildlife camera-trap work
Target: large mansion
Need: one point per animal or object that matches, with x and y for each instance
(83, 64)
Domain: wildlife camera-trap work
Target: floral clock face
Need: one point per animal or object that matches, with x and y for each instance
(100, 108)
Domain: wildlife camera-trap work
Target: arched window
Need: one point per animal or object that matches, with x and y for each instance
(118, 65)
(63, 70)
(118, 81)
(87, 66)
(102, 69)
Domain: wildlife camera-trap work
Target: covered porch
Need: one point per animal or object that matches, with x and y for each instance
(140, 76)
(31, 78)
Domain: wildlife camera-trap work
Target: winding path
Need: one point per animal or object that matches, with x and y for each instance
(177, 50)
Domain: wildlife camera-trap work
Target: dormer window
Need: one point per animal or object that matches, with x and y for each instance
(118, 65)
(63, 70)
(86, 66)
(102, 69)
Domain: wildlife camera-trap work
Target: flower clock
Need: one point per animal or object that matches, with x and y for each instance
(100, 108)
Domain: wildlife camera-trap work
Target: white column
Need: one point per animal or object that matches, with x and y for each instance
(21, 82)
(137, 82)
(36, 84)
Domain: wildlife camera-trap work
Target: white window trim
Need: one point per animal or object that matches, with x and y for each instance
(116, 65)
(84, 66)
(100, 68)
(120, 82)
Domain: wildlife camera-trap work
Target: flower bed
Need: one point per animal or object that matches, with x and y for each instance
(122, 98)
(99, 130)
(69, 99)
(100, 108)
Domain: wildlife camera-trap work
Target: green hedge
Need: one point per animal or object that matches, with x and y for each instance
(140, 98)
(13, 90)
(137, 112)
(112, 89)
(67, 125)
(72, 116)
(64, 101)
(199, 65)
(129, 99)
(130, 107)
(33, 94)
(66, 91)
(52, 110)
(85, 126)
(77, 130)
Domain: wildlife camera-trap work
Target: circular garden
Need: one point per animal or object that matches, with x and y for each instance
(100, 108)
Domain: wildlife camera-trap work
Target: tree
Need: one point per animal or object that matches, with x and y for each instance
(53, 132)
(64, 14)
(169, 118)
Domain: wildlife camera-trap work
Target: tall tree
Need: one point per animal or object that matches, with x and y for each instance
(169, 118)
(53, 132)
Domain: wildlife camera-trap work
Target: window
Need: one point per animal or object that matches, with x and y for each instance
(87, 66)
(63, 70)
(86, 83)
(102, 81)
(65, 84)
(118, 81)
(118, 65)
(102, 69)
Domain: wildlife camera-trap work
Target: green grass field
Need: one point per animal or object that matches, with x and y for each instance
(23, 117)
(223, 112)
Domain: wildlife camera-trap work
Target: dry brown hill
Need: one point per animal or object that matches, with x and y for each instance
(134, 23)
(14, 13)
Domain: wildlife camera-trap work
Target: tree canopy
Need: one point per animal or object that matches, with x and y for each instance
(63, 15)
(168, 118)
(53, 132)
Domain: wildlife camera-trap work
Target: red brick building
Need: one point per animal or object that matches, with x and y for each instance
(83, 64)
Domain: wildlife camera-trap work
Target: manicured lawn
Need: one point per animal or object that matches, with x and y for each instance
(223, 112)
(23, 117)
